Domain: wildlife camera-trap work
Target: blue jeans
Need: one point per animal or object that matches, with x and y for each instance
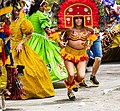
(96, 49)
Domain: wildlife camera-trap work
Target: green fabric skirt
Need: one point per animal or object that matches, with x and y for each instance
(49, 51)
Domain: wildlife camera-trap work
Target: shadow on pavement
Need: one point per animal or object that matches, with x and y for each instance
(64, 101)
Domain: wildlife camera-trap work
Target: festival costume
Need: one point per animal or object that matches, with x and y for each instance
(107, 41)
(74, 55)
(3, 73)
(111, 40)
(46, 48)
(4, 53)
(111, 44)
(36, 79)
(77, 55)
(68, 10)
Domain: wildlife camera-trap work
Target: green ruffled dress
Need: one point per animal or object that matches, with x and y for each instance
(46, 48)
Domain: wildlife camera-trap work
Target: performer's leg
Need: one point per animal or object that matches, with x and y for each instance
(83, 83)
(81, 68)
(69, 82)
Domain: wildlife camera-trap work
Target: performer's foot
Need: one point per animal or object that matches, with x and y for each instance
(94, 81)
(75, 89)
(71, 96)
(83, 84)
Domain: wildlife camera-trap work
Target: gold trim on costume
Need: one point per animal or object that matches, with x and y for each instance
(74, 55)
(73, 51)
(66, 16)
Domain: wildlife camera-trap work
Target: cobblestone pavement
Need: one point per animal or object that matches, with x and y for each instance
(106, 97)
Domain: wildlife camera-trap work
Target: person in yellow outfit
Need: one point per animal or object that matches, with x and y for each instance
(4, 39)
(36, 79)
(79, 39)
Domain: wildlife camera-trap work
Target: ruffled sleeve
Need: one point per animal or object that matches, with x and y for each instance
(91, 38)
(26, 27)
(44, 21)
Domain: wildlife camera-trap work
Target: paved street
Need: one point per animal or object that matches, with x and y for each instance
(106, 97)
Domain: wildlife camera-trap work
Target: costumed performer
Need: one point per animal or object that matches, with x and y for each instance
(75, 19)
(46, 48)
(36, 80)
(4, 51)
(4, 38)
(79, 39)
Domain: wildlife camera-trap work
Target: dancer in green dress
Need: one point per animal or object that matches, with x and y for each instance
(46, 48)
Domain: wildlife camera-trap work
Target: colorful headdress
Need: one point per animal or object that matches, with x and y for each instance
(72, 8)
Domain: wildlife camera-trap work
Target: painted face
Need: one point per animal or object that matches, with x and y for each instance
(78, 21)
